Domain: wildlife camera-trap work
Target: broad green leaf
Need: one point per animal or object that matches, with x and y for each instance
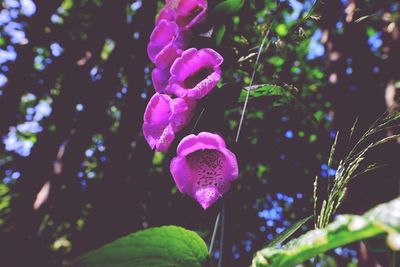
(167, 246)
(346, 229)
(282, 237)
(219, 34)
(229, 7)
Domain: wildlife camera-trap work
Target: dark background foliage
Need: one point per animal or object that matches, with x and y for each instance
(74, 81)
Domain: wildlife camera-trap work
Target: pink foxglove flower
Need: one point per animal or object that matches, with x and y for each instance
(186, 13)
(166, 13)
(195, 73)
(160, 79)
(166, 43)
(204, 167)
(163, 118)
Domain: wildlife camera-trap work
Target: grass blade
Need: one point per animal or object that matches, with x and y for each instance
(282, 237)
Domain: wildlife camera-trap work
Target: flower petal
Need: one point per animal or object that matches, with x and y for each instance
(164, 117)
(231, 170)
(204, 167)
(183, 110)
(195, 73)
(166, 56)
(163, 34)
(156, 127)
(204, 140)
(160, 79)
(185, 64)
(207, 196)
(166, 43)
(158, 110)
(208, 175)
(190, 12)
(212, 56)
(166, 13)
(181, 174)
(205, 86)
(152, 133)
(158, 137)
(165, 140)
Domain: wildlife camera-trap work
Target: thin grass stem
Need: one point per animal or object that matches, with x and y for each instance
(210, 249)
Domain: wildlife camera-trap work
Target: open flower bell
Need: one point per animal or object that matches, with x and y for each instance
(166, 43)
(195, 73)
(163, 118)
(186, 13)
(204, 167)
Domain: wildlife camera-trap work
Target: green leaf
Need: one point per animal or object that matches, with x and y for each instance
(312, 138)
(276, 61)
(219, 34)
(170, 246)
(282, 237)
(282, 30)
(108, 47)
(262, 90)
(370, 31)
(229, 7)
(318, 115)
(158, 158)
(346, 229)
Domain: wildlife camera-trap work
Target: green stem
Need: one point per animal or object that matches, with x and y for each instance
(221, 241)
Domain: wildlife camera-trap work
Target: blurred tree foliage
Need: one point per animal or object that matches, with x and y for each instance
(75, 79)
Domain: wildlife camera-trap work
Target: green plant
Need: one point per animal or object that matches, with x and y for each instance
(160, 246)
(345, 229)
(351, 166)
